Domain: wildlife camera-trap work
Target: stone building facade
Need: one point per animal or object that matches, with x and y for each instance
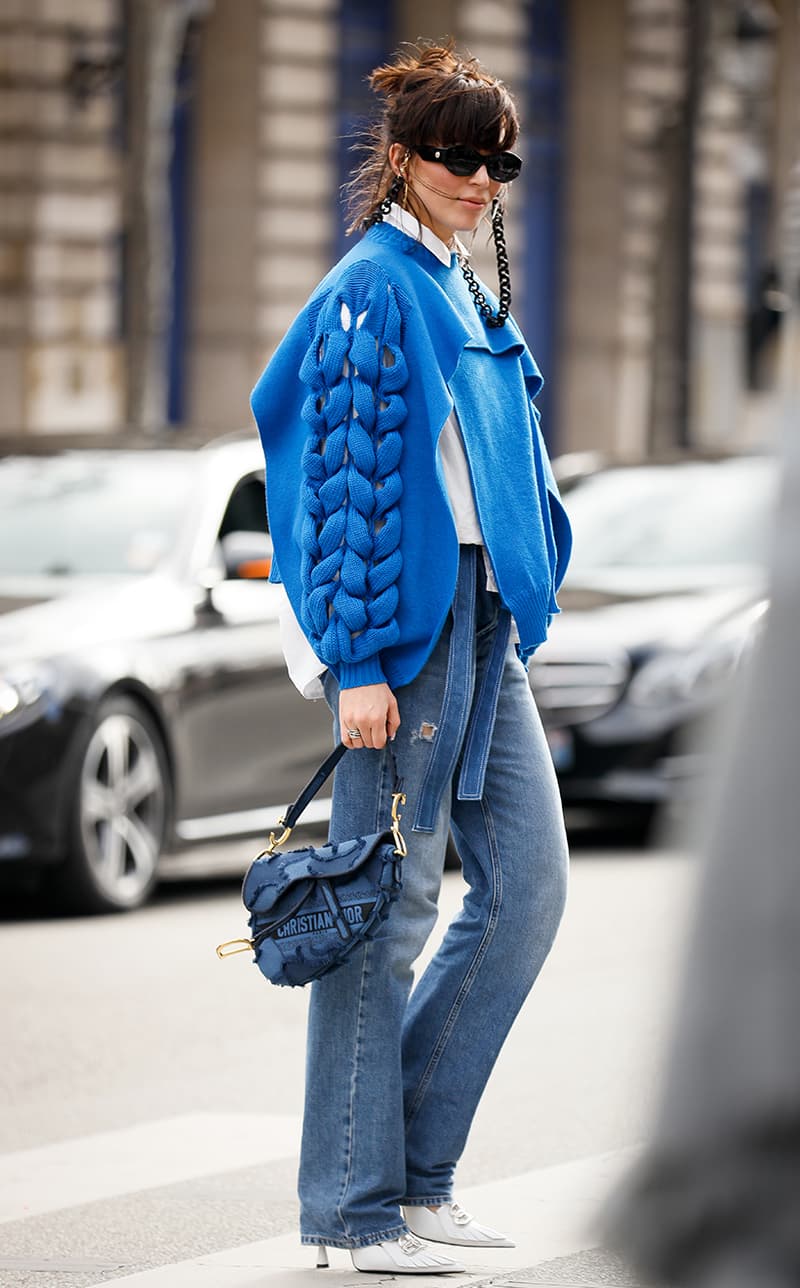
(169, 195)
(61, 220)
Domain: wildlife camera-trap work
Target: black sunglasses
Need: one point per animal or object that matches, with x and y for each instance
(461, 160)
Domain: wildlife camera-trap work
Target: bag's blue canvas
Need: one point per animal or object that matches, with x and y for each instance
(310, 908)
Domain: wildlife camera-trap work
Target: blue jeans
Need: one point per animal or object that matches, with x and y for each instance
(394, 1076)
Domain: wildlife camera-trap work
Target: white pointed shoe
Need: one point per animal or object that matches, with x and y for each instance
(404, 1256)
(451, 1224)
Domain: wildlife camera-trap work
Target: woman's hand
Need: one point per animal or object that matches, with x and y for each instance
(372, 710)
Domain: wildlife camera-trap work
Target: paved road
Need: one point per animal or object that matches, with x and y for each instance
(155, 1092)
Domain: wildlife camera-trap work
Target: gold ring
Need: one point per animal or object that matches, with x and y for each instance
(354, 733)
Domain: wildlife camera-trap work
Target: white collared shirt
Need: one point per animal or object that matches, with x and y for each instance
(305, 668)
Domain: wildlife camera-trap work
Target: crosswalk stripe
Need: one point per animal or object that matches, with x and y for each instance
(155, 1153)
(552, 1212)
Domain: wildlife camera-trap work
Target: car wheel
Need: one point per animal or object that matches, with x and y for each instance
(120, 814)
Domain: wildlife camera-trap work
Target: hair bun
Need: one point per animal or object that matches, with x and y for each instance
(416, 63)
(388, 80)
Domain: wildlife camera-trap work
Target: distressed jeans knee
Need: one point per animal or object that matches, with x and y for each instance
(426, 731)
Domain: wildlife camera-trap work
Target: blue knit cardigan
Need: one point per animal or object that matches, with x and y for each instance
(349, 418)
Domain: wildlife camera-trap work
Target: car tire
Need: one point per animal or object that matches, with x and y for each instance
(641, 824)
(120, 814)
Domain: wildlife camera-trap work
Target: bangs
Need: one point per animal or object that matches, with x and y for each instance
(476, 115)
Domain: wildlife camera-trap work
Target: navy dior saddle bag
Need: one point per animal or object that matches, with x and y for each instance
(310, 908)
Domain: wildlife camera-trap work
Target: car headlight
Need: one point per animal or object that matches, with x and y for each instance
(23, 691)
(698, 676)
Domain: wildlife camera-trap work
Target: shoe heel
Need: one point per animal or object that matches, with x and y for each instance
(322, 1258)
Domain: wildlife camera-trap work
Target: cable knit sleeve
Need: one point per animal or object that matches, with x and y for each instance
(354, 370)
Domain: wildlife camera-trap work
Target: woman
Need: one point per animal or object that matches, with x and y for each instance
(420, 540)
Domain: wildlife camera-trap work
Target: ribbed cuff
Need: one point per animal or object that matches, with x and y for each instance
(351, 675)
(531, 613)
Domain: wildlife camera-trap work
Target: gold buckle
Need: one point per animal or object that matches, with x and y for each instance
(275, 841)
(227, 949)
(400, 847)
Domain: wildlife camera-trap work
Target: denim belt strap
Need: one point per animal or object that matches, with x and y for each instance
(483, 715)
(464, 721)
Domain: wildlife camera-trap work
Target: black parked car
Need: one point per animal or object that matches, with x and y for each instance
(661, 603)
(144, 702)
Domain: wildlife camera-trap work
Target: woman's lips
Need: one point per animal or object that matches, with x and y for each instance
(473, 201)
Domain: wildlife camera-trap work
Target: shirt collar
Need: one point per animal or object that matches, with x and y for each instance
(409, 224)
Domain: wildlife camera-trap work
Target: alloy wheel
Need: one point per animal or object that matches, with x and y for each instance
(122, 808)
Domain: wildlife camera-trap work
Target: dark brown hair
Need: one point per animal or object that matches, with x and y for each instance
(432, 95)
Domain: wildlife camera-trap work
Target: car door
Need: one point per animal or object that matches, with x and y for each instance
(248, 739)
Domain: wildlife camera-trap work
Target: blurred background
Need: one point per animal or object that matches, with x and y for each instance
(170, 172)
(170, 177)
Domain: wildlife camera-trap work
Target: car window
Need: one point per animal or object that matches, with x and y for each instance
(690, 515)
(247, 509)
(92, 512)
(245, 546)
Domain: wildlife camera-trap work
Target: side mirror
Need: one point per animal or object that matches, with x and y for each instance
(247, 556)
(207, 581)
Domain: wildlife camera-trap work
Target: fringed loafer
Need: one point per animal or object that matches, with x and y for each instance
(407, 1255)
(451, 1224)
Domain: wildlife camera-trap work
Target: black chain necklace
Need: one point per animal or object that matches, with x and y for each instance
(503, 275)
(503, 272)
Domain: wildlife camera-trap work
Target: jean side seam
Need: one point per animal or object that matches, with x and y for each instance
(348, 1171)
(480, 953)
(379, 795)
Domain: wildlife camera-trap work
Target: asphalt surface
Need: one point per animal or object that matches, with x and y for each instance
(156, 1092)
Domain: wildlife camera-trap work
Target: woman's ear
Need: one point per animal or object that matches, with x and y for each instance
(398, 153)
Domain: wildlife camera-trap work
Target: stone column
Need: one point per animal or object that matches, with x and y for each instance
(297, 204)
(591, 393)
(223, 289)
(60, 217)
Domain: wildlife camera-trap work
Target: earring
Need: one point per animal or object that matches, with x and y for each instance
(402, 175)
(405, 178)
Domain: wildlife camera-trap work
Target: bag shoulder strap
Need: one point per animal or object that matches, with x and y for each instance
(313, 785)
(325, 770)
